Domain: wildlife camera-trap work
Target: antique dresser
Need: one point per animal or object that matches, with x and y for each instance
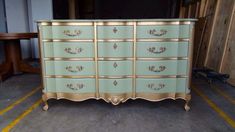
(116, 60)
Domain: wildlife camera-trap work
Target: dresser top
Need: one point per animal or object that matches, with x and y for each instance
(118, 20)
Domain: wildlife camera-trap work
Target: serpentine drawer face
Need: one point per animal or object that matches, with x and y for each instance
(69, 49)
(162, 49)
(68, 32)
(169, 31)
(116, 60)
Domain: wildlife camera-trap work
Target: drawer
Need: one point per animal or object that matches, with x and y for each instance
(115, 68)
(84, 68)
(115, 32)
(166, 85)
(168, 31)
(162, 49)
(115, 85)
(115, 49)
(166, 67)
(65, 85)
(68, 32)
(69, 49)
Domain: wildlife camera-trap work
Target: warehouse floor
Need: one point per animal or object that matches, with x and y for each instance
(212, 109)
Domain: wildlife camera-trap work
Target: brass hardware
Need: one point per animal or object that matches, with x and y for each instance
(115, 46)
(78, 68)
(75, 87)
(160, 68)
(76, 50)
(154, 50)
(115, 65)
(154, 32)
(115, 83)
(156, 87)
(115, 30)
(72, 33)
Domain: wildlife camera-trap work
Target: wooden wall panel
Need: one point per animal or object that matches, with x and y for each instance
(218, 37)
(209, 14)
(228, 63)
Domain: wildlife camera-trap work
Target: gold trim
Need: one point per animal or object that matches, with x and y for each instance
(162, 58)
(69, 59)
(96, 61)
(67, 40)
(163, 40)
(117, 98)
(162, 96)
(114, 23)
(162, 23)
(161, 76)
(114, 59)
(72, 23)
(67, 76)
(134, 63)
(115, 40)
(114, 77)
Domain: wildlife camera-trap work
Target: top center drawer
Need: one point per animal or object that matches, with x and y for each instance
(115, 32)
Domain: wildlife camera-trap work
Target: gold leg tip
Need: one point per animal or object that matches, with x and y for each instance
(186, 107)
(45, 107)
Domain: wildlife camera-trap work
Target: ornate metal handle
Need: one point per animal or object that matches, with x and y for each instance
(75, 51)
(115, 83)
(154, 32)
(156, 86)
(155, 51)
(115, 46)
(160, 68)
(77, 68)
(75, 87)
(115, 65)
(115, 30)
(72, 33)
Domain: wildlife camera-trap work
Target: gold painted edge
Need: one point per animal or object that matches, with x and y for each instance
(162, 40)
(162, 58)
(96, 61)
(115, 23)
(67, 40)
(114, 77)
(117, 98)
(161, 76)
(162, 23)
(68, 76)
(69, 59)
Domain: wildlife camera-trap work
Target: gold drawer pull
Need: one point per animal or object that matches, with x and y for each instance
(75, 51)
(155, 51)
(78, 68)
(115, 65)
(157, 33)
(75, 87)
(72, 33)
(115, 46)
(115, 30)
(115, 83)
(155, 86)
(160, 68)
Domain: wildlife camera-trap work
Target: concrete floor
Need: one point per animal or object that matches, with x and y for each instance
(132, 116)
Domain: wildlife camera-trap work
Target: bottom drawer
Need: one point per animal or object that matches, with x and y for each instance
(70, 85)
(164, 85)
(115, 85)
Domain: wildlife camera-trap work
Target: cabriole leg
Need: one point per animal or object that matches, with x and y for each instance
(186, 106)
(44, 99)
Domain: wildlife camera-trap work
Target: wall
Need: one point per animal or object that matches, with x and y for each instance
(17, 21)
(2, 29)
(38, 10)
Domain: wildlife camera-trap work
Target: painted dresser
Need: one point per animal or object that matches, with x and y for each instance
(116, 60)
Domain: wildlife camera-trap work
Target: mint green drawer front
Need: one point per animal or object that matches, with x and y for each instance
(69, 49)
(115, 85)
(70, 68)
(166, 85)
(169, 31)
(115, 49)
(46, 32)
(166, 67)
(115, 68)
(115, 32)
(65, 85)
(162, 49)
(68, 32)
